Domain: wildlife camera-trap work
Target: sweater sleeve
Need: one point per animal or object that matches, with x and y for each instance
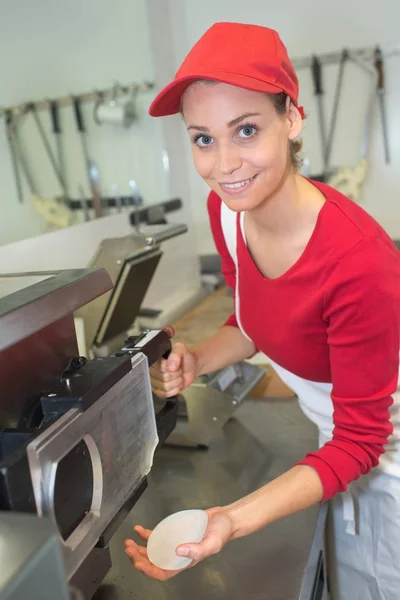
(227, 264)
(361, 313)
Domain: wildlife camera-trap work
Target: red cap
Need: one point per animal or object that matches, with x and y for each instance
(248, 56)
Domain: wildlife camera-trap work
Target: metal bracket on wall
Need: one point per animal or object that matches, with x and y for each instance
(366, 54)
(18, 109)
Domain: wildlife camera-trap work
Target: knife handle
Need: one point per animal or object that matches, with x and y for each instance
(379, 69)
(55, 116)
(317, 75)
(78, 115)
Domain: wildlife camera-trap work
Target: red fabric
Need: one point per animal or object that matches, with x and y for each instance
(248, 56)
(332, 317)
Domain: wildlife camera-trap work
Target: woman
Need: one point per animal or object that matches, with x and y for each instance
(317, 285)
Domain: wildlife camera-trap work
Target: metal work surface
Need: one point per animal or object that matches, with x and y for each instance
(30, 558)
(265, 438)
(29, 302)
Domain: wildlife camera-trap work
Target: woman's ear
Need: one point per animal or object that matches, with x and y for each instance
(294, 119)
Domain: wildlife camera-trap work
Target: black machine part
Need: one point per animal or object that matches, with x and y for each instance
(154, 214)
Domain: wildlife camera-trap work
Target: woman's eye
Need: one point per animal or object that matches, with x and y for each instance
(203, 141)
(247, 131)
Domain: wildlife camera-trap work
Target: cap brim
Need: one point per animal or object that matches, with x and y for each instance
(168, 101)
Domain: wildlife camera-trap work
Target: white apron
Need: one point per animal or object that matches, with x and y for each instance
(363, 529)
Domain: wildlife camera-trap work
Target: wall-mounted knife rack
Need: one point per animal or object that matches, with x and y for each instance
(18, 109)
(326, 58)
(330, 58)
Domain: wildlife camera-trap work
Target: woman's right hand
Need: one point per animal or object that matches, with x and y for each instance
(169, 376)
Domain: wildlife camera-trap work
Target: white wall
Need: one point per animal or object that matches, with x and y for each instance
(55, 48)
(174, 287)
(310, 27)
(163, 22)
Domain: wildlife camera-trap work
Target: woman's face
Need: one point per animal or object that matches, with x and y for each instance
(240, 144)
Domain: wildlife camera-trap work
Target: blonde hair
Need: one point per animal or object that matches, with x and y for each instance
(279, 102)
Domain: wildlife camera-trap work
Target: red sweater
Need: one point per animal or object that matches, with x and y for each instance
(332, 317)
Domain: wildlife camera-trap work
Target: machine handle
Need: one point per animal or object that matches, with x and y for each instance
(75, 363)
(166, 419)
(317, 75)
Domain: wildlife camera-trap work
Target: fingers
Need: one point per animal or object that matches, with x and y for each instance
(166, 395)
(210, 545)
(164, 379)
(167, 377)
(165, 368)
(141, 562)
(136, 550)
(138, 557)
(166, 390)
(136, 553)
(170, 331)
(175, 359)
(143, 533)
(164, 383)
(160, 372)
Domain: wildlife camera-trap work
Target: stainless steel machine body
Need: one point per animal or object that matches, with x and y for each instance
(208, 404)
(31, 561)
(77, 436)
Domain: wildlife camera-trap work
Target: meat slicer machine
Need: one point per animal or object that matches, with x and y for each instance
(131, 262)
(79, 431)
(77, 436)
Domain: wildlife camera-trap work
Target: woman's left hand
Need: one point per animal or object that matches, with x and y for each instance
(218, 533)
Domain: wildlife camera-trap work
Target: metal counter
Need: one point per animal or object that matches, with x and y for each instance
(265, 438)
